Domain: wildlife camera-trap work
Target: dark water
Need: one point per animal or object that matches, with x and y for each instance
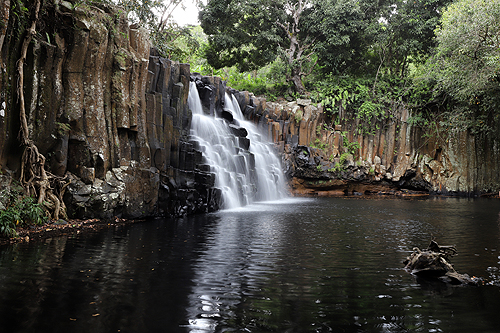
(310, 265)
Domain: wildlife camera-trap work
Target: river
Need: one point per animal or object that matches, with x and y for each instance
(294, 265)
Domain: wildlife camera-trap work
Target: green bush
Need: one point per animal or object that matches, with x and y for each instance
(19, 211)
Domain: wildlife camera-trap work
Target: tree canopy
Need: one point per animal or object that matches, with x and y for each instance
(467, 61)
(342, 36)
(241, 32)
(253, 33)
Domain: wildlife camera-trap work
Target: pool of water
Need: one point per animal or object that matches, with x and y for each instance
(295, 265)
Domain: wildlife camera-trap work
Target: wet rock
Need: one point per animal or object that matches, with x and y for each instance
(227, 115)
(434, 263)
(238, 131)
(244, 143)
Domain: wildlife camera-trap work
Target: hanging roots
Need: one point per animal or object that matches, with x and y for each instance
(41, 184)
(37, 182)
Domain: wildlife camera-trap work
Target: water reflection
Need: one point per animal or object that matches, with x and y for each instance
(316, 265)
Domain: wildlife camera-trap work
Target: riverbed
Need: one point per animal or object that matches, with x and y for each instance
(294, 265)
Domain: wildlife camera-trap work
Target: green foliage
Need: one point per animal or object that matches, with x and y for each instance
(253, 33)
(467, 62)
(334, 93)
(241, 33)
(63, 128)
(418, 120)
(318, 144)
(369, 110)
(341, 165)
(351, 147)
(298, 116)
(183, 44)
(460, 83)
(20, 14)
(18, 210)
(406, 36)
(247, 81)
(341, 31)
(352, 95)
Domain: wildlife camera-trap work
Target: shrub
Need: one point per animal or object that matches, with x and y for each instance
(19, 211)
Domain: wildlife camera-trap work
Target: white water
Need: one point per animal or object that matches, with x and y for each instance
(243, 176)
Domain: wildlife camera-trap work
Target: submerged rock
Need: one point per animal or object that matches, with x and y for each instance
(434, 263)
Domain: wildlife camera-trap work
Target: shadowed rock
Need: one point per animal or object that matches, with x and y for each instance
(434, 263)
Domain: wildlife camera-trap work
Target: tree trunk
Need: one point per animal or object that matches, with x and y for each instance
(297, 82)
(294, 55)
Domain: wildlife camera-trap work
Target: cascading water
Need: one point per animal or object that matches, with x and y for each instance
(246, 167)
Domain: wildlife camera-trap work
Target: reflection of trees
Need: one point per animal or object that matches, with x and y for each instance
(27, 281)
(338, 269)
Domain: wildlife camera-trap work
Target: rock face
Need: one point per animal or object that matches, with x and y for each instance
(107, 112)
(385, 155)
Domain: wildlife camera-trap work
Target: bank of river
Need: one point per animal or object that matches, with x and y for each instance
(62, 228)
(298, 265)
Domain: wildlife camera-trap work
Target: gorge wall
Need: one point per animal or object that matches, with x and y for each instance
(106, 111)
(386, 155)
(111, 115)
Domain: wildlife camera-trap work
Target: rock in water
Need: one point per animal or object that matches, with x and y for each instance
(434, 263)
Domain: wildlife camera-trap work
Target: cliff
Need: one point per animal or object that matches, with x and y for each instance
(384, 155)
(105, 111)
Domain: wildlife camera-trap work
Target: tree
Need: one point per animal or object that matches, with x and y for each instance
(253, 33)
(165, 33)
(343, 34)
(241, 33)
(467, 60)
(300, 47)
(409, 32)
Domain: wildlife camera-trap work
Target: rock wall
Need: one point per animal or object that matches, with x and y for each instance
(385, 156)
(107, 113)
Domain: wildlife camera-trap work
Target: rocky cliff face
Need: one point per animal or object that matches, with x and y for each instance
(385, 156)
(106, 112)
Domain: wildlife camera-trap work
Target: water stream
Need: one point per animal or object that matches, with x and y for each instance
(244, 176)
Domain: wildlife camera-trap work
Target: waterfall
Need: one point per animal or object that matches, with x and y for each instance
(246, 166)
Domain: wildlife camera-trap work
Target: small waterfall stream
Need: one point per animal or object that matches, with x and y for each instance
(246, 166)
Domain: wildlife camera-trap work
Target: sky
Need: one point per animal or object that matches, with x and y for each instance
(187, 16)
